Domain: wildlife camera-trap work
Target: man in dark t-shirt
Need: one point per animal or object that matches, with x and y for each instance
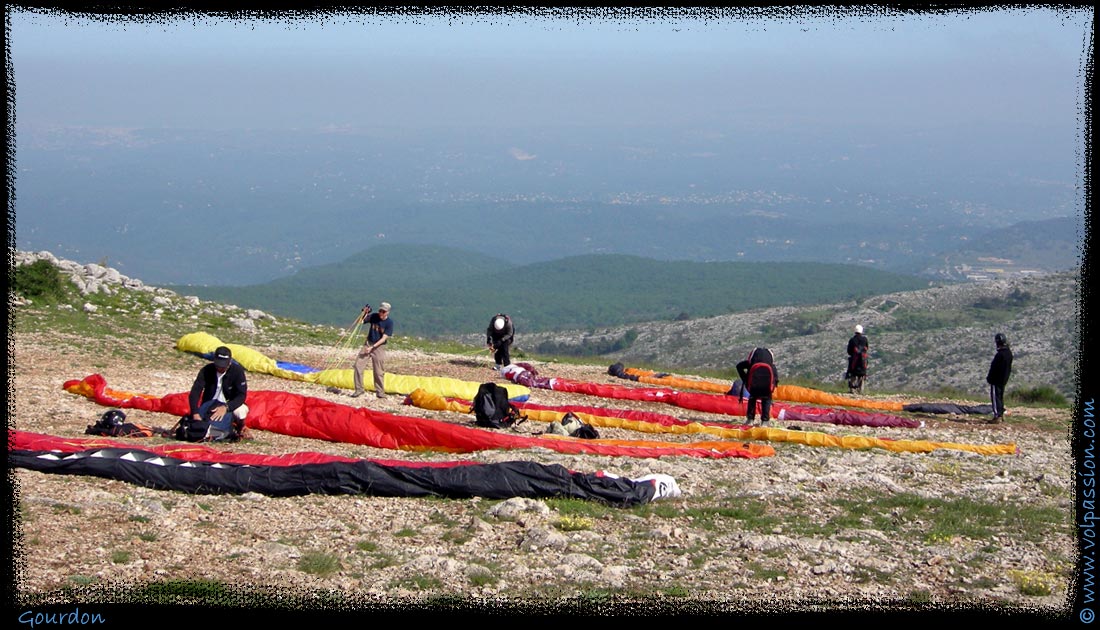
(380, 329)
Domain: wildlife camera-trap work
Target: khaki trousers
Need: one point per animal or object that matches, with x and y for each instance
(377, 359)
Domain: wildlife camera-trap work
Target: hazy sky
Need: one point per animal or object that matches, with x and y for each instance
(562, 68)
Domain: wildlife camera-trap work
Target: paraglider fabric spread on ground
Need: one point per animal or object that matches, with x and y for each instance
(789, 393)
(204, 344)
(196, 468)
(201, 470)
(712, 403)
(304, 416)
(650, 422)
(794, 393)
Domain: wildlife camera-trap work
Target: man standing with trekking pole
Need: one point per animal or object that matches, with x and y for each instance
(379, 330)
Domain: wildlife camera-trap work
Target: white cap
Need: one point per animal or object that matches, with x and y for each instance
(859, 329)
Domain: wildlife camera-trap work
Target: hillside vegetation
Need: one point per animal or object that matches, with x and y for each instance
(932, 340)
(438, 291)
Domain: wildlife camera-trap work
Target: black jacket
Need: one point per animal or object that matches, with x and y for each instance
(857, 355)
(502, 337)
(1000, 368)
(234, 386)
(856, 343)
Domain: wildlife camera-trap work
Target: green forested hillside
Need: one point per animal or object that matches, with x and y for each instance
(438, 291)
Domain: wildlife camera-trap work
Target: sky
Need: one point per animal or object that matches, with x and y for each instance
(130, 126)
(558, 68)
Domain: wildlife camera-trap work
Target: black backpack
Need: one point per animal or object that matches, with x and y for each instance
(492, 408)
(190, 430)
(113, 424)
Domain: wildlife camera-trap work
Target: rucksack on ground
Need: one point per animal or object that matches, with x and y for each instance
(492, 409)
(190, 430)
(573, 426)
(113, 424)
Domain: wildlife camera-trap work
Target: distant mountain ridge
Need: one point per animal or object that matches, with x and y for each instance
(156, 203)
(440, 291)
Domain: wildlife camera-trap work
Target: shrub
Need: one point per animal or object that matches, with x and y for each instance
(483, 577)
(590, 347)
(1034, 583)
(40, 280)
(572, 523)
(319, 563)
(1015, 300)
(950, 391)
(1039, 394)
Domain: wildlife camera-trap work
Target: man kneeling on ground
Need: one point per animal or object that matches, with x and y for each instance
(219, 392)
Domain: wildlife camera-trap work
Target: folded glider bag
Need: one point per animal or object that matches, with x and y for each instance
(213, 474)
(950, 408)
(317, 418)
(727, 405)
(651, 422)
(204, 344)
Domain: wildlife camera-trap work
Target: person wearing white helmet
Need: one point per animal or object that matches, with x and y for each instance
(499, 337)
(856, 372)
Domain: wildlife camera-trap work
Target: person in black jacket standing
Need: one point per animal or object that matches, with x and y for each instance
(857, 361)
(219, 392)
(999, 371)
(499, 337)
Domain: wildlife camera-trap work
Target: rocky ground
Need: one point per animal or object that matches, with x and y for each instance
(745, 533)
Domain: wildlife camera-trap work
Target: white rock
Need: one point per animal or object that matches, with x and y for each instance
(243, 324)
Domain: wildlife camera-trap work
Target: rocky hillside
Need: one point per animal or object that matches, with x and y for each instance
(810, 528)
(929, 340)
